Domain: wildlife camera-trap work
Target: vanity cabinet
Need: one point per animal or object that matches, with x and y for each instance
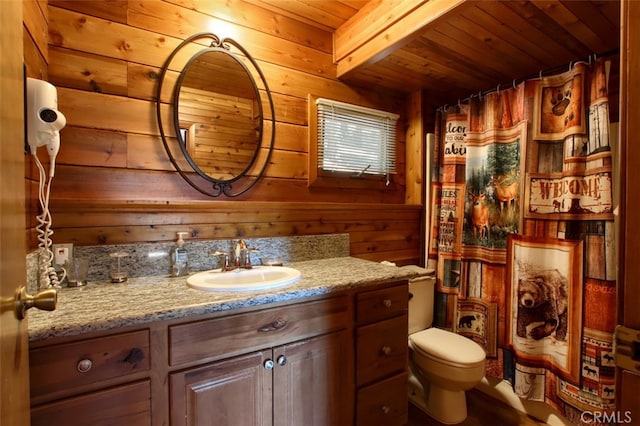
(296, 384)
(99, 381)
(328, 360)
(299, 373)
(382, 356)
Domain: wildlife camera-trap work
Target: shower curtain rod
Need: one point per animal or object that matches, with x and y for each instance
(532, 76)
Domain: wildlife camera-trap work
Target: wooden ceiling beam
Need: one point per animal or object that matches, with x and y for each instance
(381, 27)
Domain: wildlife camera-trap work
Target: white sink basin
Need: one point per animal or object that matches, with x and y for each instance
(258, 278)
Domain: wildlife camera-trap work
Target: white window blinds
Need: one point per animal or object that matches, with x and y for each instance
(355, 139)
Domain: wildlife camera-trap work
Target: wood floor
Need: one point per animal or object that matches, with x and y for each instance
(482, 410)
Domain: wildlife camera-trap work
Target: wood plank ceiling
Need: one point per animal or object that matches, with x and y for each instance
(455, 48)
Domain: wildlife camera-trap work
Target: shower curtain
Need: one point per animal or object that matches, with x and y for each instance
(522, 235)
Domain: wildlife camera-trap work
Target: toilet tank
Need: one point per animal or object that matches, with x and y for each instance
(421, 300)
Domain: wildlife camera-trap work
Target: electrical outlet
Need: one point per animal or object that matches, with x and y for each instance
(62, 253)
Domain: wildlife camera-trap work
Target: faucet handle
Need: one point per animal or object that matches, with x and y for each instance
(246, 257)
(225, 259)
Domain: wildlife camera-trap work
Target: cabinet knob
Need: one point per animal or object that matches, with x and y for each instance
(268, 364)
(386, 303)
(282, 360)
(386, 409)
(84, 365)
(386, 350)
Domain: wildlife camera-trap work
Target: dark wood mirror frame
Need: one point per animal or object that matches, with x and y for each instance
(234, 163)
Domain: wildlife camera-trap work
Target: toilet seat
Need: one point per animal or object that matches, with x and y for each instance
(447, 348)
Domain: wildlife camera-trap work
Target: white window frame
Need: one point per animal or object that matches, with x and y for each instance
(351, 142)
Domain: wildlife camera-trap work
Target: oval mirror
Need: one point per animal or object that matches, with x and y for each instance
(219, 114)
(218, 117)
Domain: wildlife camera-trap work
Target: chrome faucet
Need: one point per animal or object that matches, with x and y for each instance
(239, 258)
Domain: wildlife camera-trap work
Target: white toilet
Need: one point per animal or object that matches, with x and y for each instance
(443, 365)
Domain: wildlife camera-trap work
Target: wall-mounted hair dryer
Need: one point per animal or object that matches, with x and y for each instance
(43, 119)
(43, 124)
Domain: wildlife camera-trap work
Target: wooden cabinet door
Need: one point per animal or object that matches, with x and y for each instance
(313, 382)
(232, 392)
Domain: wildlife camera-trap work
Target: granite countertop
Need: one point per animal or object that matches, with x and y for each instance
(101, 305)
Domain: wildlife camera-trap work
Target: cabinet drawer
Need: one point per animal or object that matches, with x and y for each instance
(384, 403)
(375, 305)
(124, 405)
(236, 334)
(69, 365)
(381, 349)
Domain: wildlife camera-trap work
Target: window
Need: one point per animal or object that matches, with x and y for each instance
(351, 142)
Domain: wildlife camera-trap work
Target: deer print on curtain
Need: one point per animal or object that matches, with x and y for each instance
(522, 217)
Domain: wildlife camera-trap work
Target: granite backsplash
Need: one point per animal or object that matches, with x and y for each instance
(152, 259)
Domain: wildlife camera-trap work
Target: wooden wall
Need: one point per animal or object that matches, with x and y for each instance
(114, 182)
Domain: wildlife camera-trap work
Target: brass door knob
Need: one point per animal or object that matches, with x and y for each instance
(45, 300)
